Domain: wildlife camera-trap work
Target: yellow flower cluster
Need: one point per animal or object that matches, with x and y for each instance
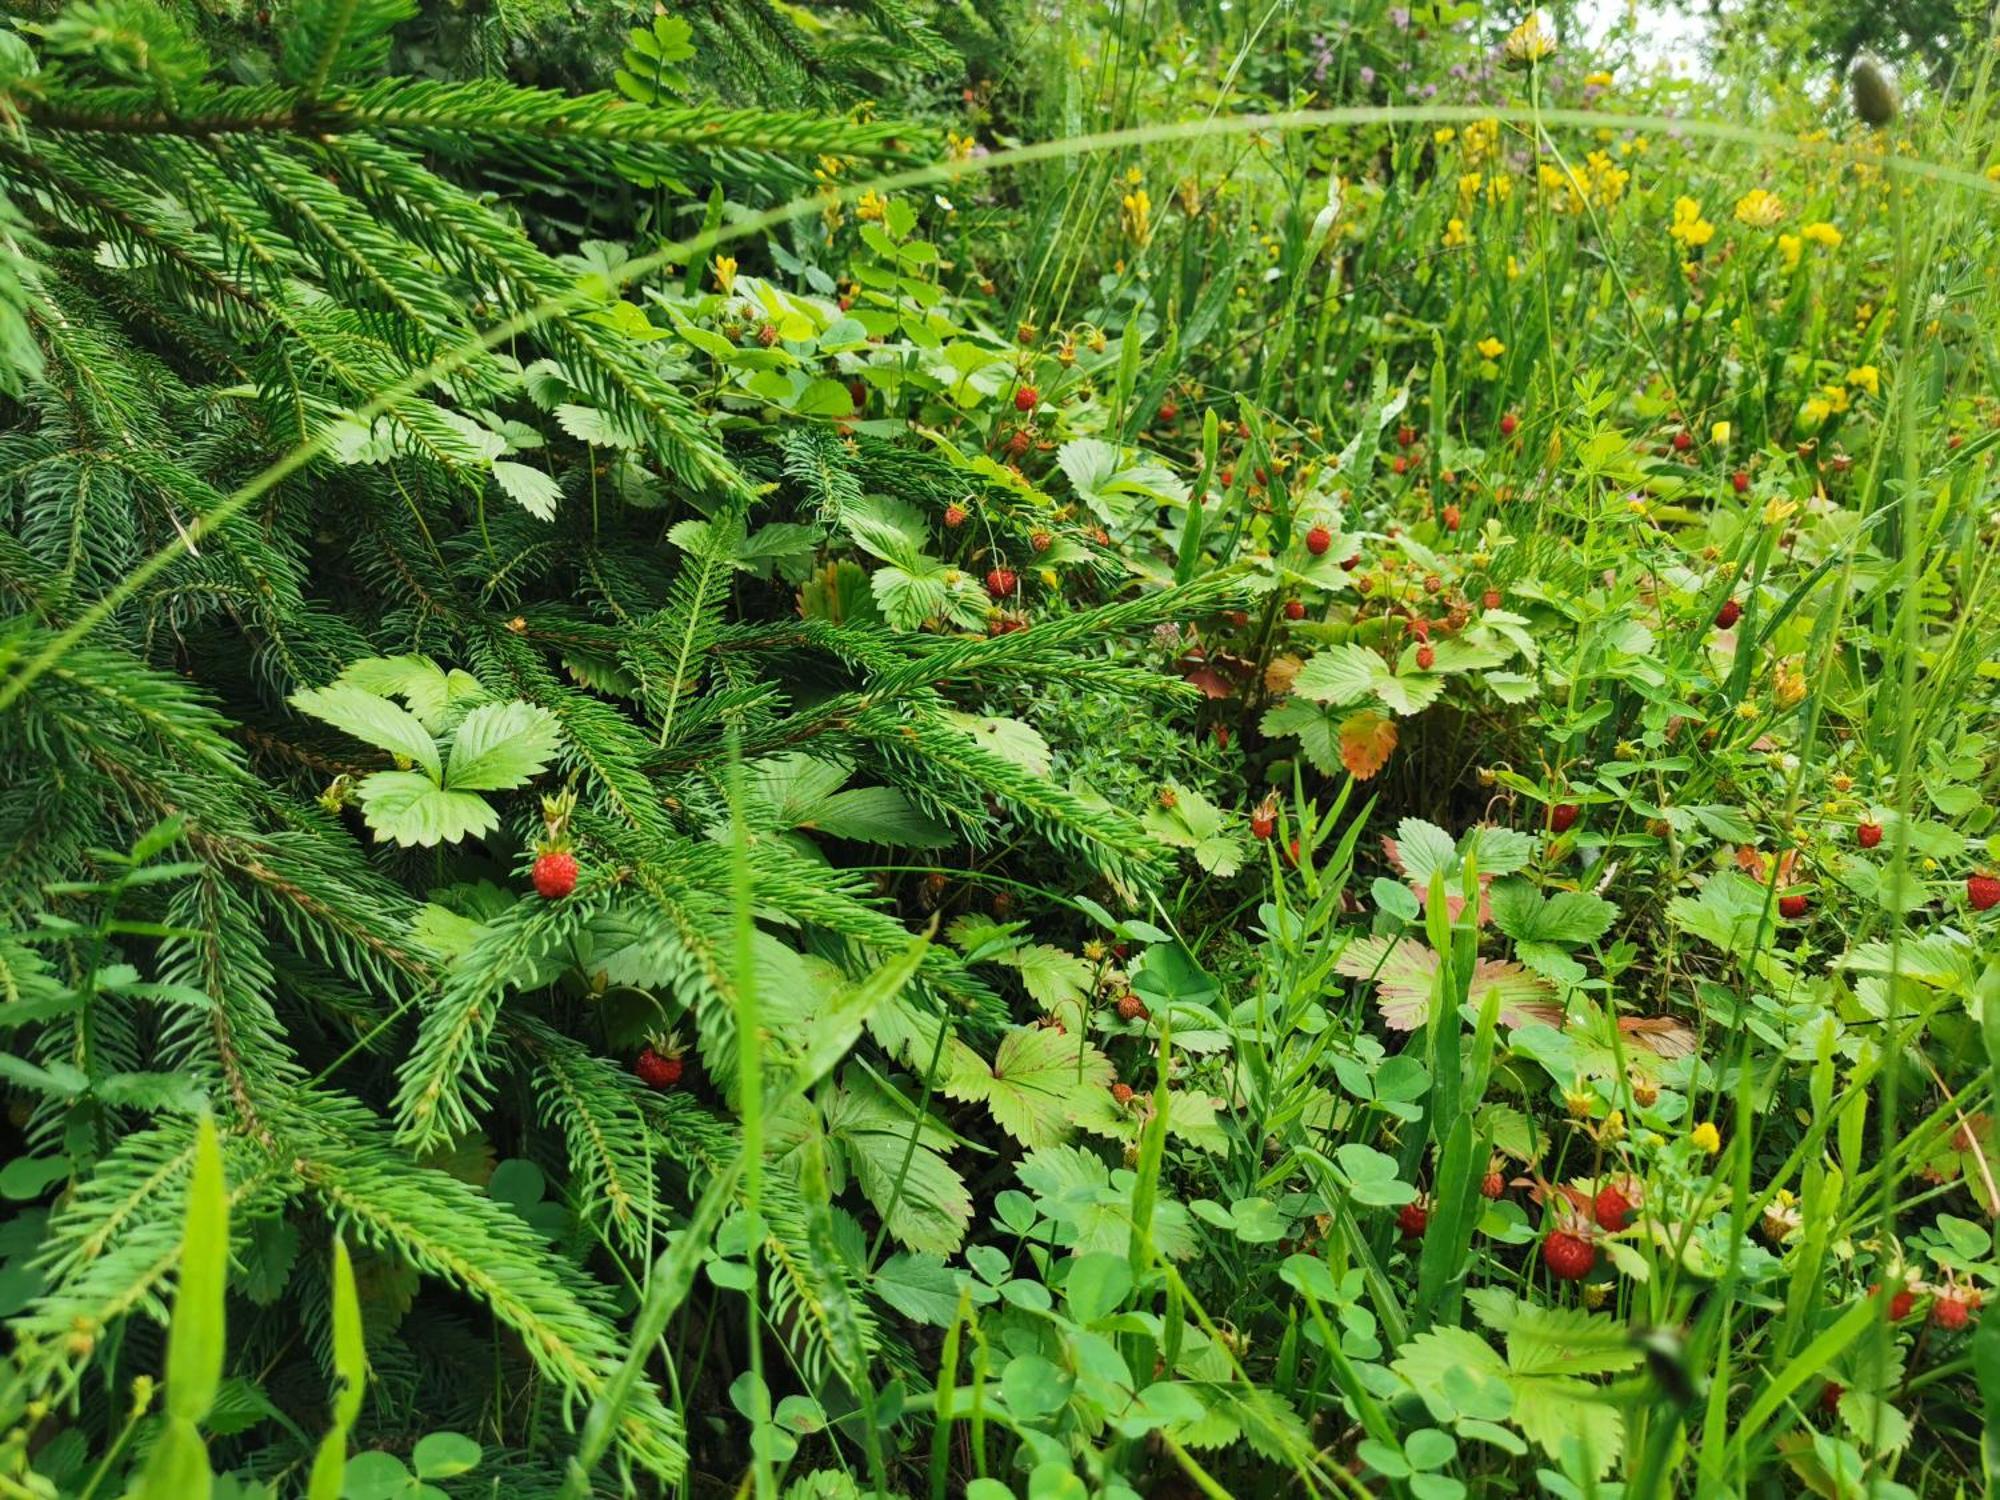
(1529, 43)
(870, 207)
(1496, 189)
(1480, 142)
(1759, 209)
(1689, 229)
(1600, 182)
(1490, 347)
(1135, 213)
(1455, 234)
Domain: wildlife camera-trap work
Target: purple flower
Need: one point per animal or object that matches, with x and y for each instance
(1367, 76)
(1399, 18)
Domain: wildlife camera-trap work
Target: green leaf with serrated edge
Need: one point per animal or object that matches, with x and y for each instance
(1028, 1088)
(499, 746)
(408, 808)
(373, 720)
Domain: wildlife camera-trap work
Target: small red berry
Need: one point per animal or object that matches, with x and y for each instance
(1132, 1008)
(1569, 1257)
(1868, 835)
(1683, 440)
(1613, 1208)
(1405, 436)
(1793, 907)
(1900, 1305)
(1292, 853)
(1027, 398)
(857, 392)
(1452, 516)
(1829, 1399)
(1168, 411)
(1508, 423)
(1492, 1185)
(1411, 1218)
(1562, 817)
(1262, 824)
(1295, 609)
(954, 516)
(1490, 599)
(554, 874)
(1426, 658)
(1728, 615)
(1228, 477)
(1000, 582)
(1982, 891)
(1740, 481)
(657, 1070)
(1222, 736)
(1400, 464)
(1121, 1093)
(1041, 541)
(1238, 618)
(1318, 540)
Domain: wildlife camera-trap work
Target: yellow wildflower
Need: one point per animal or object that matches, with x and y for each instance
(1597, 80)
(1993, 172)
(960, 147)
(1822, 233)
(1454, 234)
(1719, 434)
(1759, 209)
(1707, 1137)
(1835, 396)
(1867, 378)
(724, 267)
(1444, 136)
(1790, 246)
(1814, 412)
(1136, 213)
(871, 206)
(1513, 269)
(1481, 142)
(1491, 347)
(1529, 43)
(1469, 185)
(1689, 227)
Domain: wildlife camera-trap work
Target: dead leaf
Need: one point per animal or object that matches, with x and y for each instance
(1366, 740)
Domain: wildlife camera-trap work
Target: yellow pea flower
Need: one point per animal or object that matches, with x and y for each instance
(1706, 1137)
(1491, 347)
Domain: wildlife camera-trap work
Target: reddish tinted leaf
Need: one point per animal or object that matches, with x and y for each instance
(1366, 740)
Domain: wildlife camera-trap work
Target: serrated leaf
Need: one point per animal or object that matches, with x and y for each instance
(373, 720)
(1034, 1075)
(408, 808)
(1367, 739)
(499, 746)
(1405, 971)
(528, 487)
(1339, 675)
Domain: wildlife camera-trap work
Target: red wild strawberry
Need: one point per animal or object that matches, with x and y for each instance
(1900, 1305)
(1261, 476)
(857, 392)
(1432, 583)
(1612, 1207)
(1740, 481)
(1449, 476)
(1490, 599)
(1295, 609)
(1168, 411)
(1954, 1307)
(1262, 824)
(658, 1070)
(1041, 541)
(1426, 658)
(1508, 423)
(1121, 1093)
(1419, 627)
(1318, 540)
(1292, 854)
(954, 516)
(1405, 436)
(1562, 817)
(1452, 516)
(1237, 618)
(1411, 1218)
(1132, 1008)
(1228, 477)
(1492, 1185)
(1794, 906)
(1222, 736)
(1728, 615)
(1829, 1399)
(1000, 582)
(554, 874)
(1868, 835)
(1569, 1257)
(1400, 464)
(1982, 891)
(1683, 440)
(1027, 398)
